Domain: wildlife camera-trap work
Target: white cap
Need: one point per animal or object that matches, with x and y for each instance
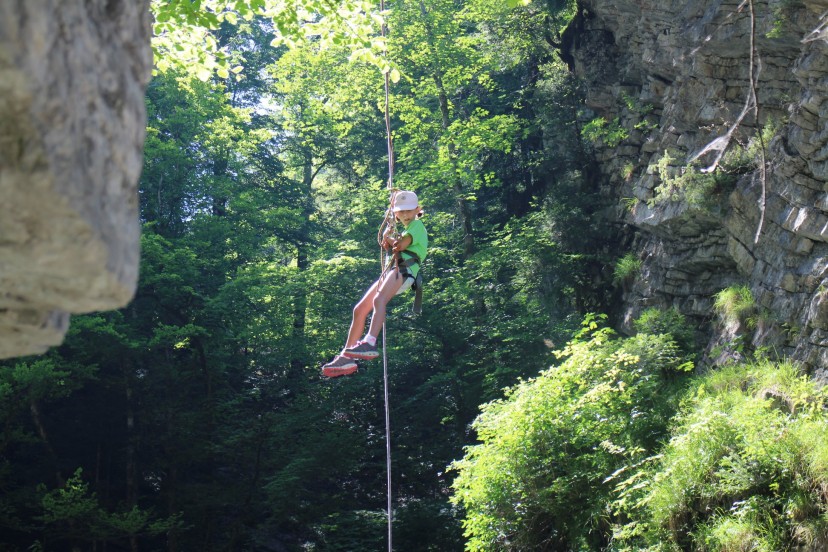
(405, 200)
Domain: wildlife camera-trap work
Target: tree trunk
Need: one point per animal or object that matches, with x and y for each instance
(219, 200)
(463, 209)
(131, 492)
(172, 481)
(300, 297)
(41, 431)
(300, 300)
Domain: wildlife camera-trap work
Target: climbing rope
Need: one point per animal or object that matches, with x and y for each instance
(387, 224)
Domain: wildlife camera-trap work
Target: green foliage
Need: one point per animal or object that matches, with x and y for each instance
(612, 133)
(743, 158)
(72, 513)
(688, 183)
(184, 32)
(510, 305)
(782, 20)
(609, 133)
(537, 478)
(626, 268)
(343, 533)
(639, 111)
(699, 188)
(745, 465)
(668, 321)
(735, 305)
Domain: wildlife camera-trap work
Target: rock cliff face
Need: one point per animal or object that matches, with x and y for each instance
(72, 123)
(677, 76)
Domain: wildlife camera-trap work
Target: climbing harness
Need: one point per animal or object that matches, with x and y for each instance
(405, 266)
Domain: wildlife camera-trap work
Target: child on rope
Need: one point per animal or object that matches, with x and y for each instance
(409, 251)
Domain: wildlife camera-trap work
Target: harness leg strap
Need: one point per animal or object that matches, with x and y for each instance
(418, 295)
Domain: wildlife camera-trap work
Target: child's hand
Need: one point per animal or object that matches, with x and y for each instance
(401, 244)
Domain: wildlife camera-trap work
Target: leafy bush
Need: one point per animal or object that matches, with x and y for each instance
(670, 321)
(741, 159)
(353, 530)
(537, 479)
(744, 470)
(688, 183)
(696, 185)
(73, 513)
(601, 130)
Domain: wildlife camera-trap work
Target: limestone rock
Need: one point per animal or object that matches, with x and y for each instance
(690, 61)
(72, 121)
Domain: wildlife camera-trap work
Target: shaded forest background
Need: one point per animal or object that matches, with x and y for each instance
(196, 418)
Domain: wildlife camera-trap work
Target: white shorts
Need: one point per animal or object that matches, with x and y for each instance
(406, 284)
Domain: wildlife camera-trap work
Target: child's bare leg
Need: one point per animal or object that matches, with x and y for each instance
(361, 311)
(342, 365)
(388, 288)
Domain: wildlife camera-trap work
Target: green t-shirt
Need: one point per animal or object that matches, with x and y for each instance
(419, 242)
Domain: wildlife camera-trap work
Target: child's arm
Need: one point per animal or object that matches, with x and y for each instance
(402, 244)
